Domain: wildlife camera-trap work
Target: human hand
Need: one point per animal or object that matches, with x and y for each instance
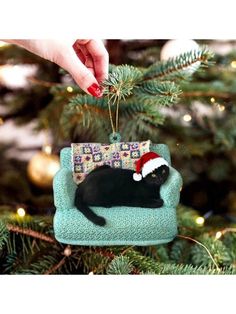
(86, 60)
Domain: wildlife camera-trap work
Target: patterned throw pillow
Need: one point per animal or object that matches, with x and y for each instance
(88, 156)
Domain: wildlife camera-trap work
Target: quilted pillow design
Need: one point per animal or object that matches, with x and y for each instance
(88, 156)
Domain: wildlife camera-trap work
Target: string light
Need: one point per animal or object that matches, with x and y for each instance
(233, 64)
(221, 107)
(212, 100)
(69, 89)
(187, 118)
(21, 211)
(200, 221)
(218, 235)
(1, 121)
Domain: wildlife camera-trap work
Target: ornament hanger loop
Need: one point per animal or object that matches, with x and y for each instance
(115, 136)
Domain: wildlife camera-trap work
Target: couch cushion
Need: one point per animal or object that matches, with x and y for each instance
(125, 225)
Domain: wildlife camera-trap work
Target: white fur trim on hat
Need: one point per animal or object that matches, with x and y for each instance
(137, 177)
(153, 164)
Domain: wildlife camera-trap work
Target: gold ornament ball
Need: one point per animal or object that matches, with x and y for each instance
(41, 169)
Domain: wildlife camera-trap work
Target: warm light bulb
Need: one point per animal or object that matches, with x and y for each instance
(47, 149)
(233, 64)
(187, 118)
(200, 221)
(1, 121)
(21, 211)
(212, 99)
(218, 234)
(221, 107)
(69, 89)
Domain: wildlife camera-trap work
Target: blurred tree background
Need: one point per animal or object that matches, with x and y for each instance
(38, 117)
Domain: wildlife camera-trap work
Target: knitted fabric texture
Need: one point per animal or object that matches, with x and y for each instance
(88, 156)
(125, 225)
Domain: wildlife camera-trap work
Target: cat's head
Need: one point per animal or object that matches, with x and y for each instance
(158, 176)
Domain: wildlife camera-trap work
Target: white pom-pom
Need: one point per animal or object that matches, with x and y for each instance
(137, 176)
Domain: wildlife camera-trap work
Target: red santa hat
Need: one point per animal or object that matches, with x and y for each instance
(146, 164)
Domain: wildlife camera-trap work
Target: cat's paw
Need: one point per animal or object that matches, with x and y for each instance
(100, 221)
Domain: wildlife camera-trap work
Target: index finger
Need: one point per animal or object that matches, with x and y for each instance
(100, 58)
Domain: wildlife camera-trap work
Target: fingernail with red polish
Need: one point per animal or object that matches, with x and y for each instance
(95, 90)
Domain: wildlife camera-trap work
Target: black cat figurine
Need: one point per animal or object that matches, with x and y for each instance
(107, 187)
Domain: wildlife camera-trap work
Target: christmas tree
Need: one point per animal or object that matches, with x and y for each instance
(186, 101)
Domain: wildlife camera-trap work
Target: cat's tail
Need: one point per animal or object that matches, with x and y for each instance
(87, 212)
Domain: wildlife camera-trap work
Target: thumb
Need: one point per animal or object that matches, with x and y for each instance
(81, 74)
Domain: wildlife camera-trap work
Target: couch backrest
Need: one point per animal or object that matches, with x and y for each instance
(66, 158)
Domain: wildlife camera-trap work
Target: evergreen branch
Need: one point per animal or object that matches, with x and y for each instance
(4, 234)
(86, 111)
(120, 265)
(155, 87)
(218, 250)
(154, 92)
(121, 82)
(56, 267)
(209, 253)
(31, 233)
(176, 66)
(148, 265)
(209, 93)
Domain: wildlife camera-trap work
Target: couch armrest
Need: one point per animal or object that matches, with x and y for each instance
(64, 189)
(170, 190)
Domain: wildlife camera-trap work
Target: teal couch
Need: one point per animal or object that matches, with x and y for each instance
(125, 225)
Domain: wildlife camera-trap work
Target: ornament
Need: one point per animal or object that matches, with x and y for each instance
(42, 168)
(174, 48)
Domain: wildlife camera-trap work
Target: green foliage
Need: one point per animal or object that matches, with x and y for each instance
(94, 261)
(121, 81)
(140, 95)
(150, 266)
(218, 250)
(4, 234)
(179, 252)
(176, 67)
(120, 265)
(85, 113)
(157, 93)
